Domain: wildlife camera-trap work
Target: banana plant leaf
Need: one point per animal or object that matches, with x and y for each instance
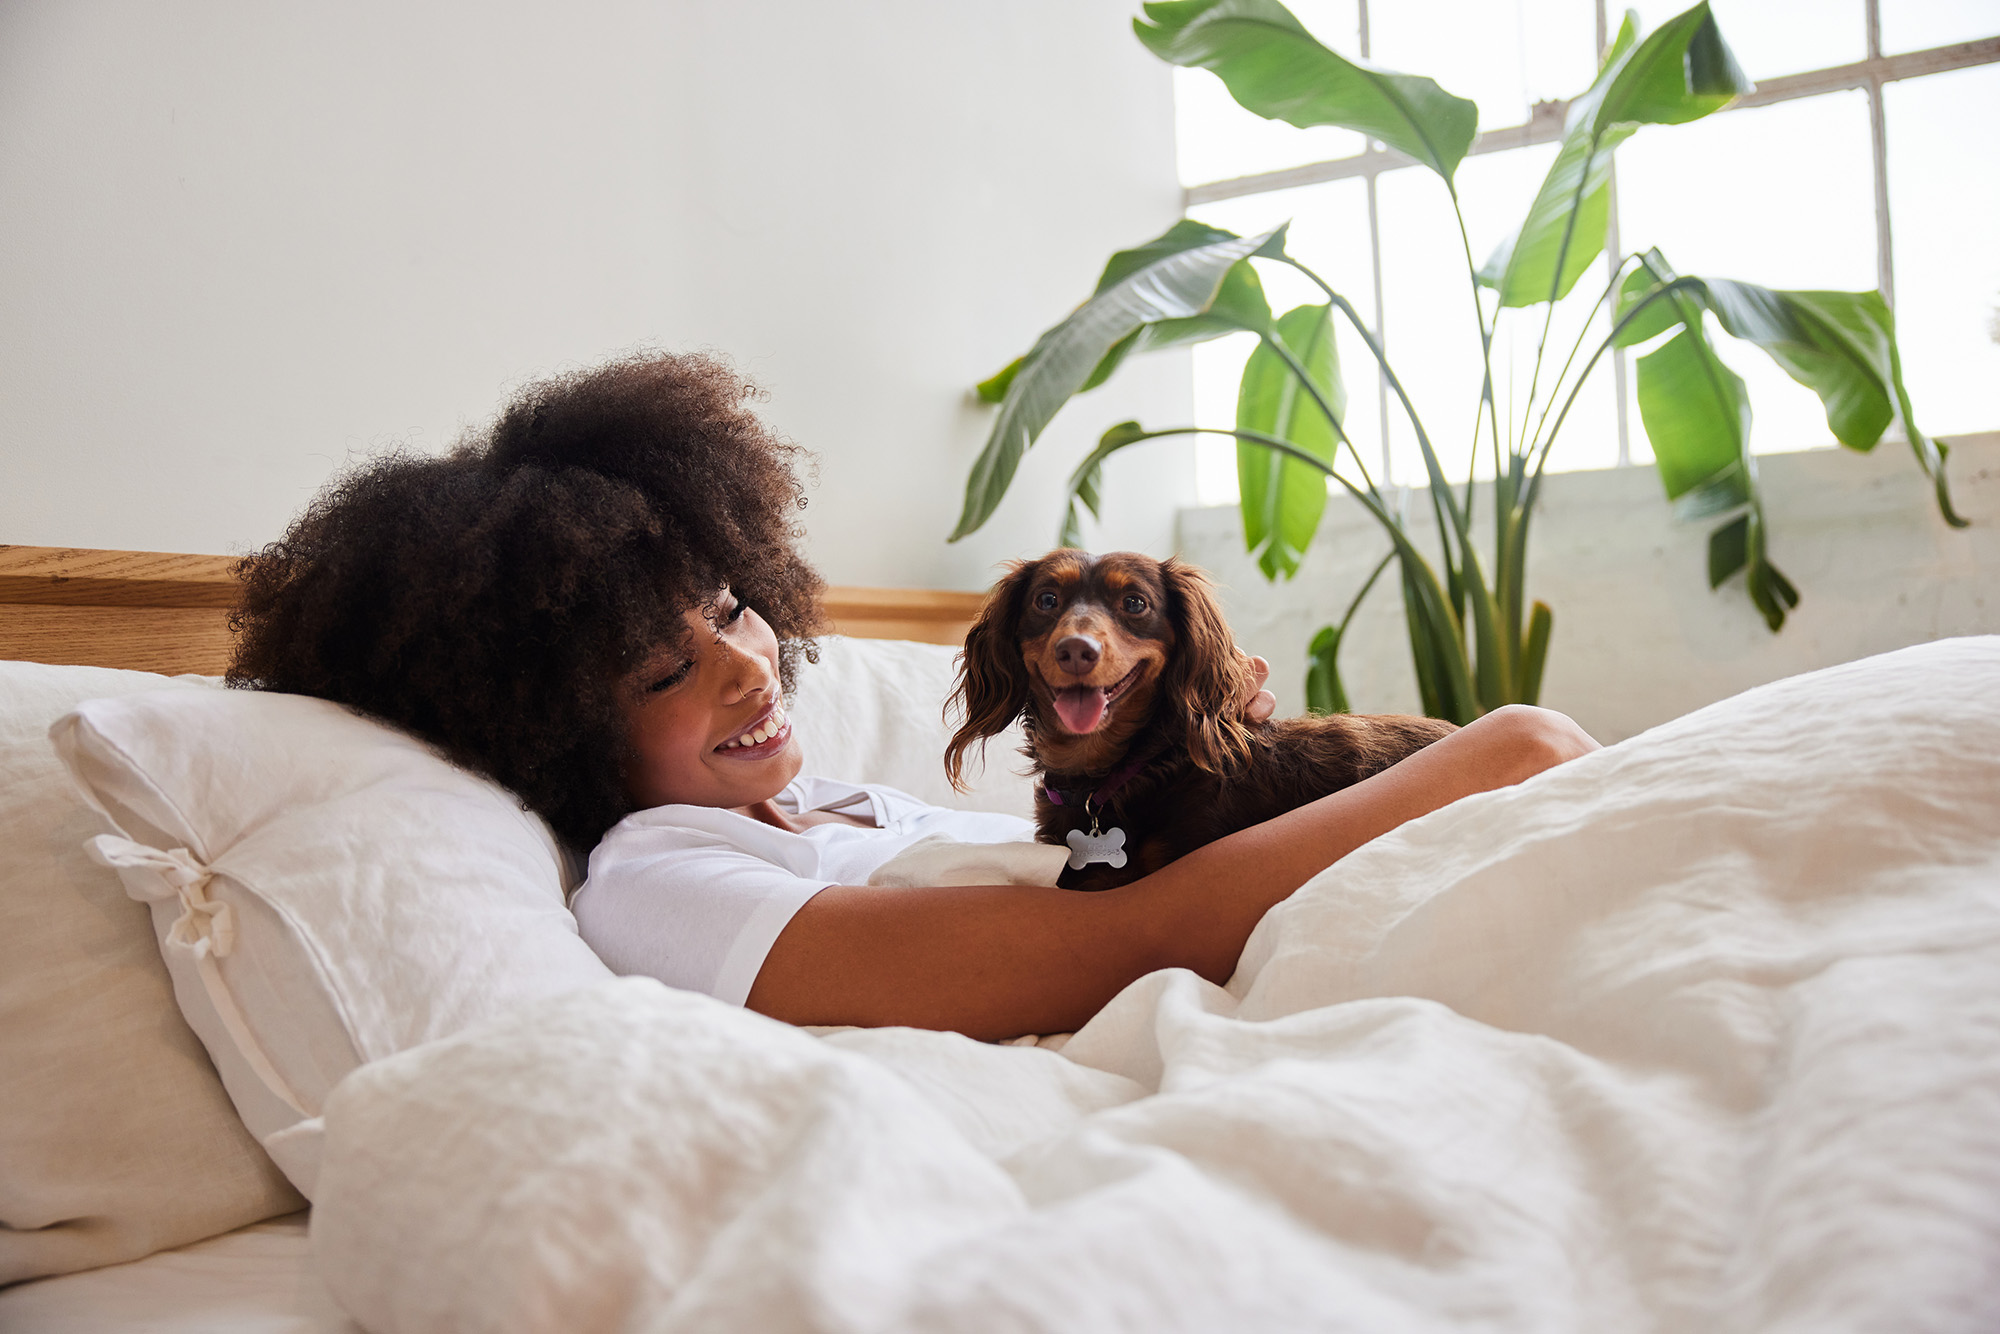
(1697, 417)
(1238, 305)
(1840, 345)
(1178, 285)
(1283, 499)
(1086, 483)
(1274, 67)
(1682, 72)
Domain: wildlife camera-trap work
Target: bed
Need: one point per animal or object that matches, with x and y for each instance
(1700, 1032)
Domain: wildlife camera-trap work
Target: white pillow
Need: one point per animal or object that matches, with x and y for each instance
(872, 710)
(116, 1137)
(326, 890)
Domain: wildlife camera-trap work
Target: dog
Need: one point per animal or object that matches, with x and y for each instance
(1131, 691)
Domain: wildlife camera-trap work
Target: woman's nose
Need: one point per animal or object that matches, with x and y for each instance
(748, 674)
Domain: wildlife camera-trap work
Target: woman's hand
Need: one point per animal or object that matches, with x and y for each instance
(996, 961)
(1261, 703)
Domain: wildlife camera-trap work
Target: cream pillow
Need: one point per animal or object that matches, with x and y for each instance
(116, 1137)
(326, 890)
(872, 711)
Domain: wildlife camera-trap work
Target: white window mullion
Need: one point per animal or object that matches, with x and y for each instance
(1878, 142)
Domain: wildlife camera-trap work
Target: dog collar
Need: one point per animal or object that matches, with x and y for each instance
(1100, 794)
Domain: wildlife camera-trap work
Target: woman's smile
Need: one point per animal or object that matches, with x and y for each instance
(767, 734)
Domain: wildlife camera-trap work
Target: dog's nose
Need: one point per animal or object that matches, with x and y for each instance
(1077, 655)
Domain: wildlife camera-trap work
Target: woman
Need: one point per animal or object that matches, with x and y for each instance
(600, 605)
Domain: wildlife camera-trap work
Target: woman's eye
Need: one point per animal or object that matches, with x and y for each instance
(671, 679)
(1134, 604)
(1045, 601)
(736, 613)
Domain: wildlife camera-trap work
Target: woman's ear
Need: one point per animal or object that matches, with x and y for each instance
(992, 684)
(1207, 680)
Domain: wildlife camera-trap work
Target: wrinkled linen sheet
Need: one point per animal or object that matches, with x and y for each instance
(1701, 1032)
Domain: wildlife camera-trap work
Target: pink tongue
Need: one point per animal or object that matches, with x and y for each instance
(1081, 708)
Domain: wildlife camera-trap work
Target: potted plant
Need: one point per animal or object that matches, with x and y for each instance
(1476, 640)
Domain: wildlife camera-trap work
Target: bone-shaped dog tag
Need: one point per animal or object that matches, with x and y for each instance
(1087, 849)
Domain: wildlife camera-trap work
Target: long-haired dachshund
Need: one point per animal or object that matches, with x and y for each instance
(1131, 690)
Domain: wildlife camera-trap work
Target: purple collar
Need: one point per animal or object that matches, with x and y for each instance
(1098, 795)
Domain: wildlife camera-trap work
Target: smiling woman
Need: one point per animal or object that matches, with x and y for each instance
(600, 604)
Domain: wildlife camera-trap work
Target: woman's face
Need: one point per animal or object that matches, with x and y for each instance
(707, 719)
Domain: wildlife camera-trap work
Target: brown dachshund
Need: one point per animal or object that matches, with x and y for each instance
(1131, 690)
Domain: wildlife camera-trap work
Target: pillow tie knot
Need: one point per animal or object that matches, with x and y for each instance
(206, 927)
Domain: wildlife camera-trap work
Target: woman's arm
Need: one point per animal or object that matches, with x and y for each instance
(1001, 960)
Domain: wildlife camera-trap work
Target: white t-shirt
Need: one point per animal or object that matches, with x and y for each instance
(697, 895)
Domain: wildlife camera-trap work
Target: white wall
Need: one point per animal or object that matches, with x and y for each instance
(1639, 637)
(240, 242)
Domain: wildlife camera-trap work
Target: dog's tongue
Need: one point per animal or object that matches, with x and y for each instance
(1081, 708)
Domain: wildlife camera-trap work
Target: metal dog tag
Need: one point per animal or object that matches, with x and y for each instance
(1088, 849)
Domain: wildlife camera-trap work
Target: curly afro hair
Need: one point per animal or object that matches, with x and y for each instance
(491, 600)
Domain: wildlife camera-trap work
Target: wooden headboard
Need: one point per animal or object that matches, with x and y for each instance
(162, 612)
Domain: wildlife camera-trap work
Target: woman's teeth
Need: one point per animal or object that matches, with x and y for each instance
(770, 728)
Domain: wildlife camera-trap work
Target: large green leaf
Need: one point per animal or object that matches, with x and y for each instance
(1697, 417)
(1842, 346)
(1646, 308)
(1276, 68)
(1566, 225)
(1087, 481)
(1682, 72)
(1834, 343)
(1282, 498)
(1179, 285)
(1239, 305)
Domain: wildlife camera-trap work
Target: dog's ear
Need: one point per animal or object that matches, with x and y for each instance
(1207, 682)
(992, 686)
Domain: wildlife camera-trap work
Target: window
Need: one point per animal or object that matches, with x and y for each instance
(1861, 161)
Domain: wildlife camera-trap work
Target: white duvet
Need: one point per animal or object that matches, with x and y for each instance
(1701, 1032)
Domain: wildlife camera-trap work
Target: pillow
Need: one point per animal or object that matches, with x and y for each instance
(116, 1137)
(326, 890)
(872, 710)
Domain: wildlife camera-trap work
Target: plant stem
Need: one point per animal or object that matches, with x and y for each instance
(1666, 289)
(1616, 275)
(1489, 402)
(1366, 584)
(1346, 308)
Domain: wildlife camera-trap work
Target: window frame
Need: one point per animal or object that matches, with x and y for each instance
(1545, 125)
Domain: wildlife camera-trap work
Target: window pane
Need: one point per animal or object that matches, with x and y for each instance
(1434, 344)
(1772, 37)
(1781, 196)
(1219, 139)
(1914, 25)
(1503, 54)
(1944, 194)
(1329, 234)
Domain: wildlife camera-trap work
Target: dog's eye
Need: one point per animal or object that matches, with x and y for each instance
(1134, 604)
(1045, 601)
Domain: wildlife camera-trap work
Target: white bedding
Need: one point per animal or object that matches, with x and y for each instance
(1699, 1033)
(255, 1280)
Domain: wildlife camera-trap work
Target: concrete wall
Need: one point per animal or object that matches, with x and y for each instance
(1639, 637)
(241, 242)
